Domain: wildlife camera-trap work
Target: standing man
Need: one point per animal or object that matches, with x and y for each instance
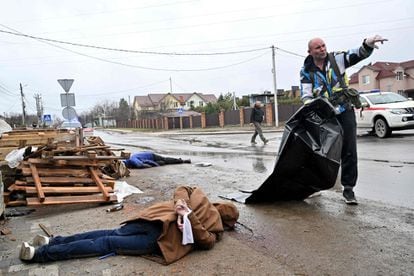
(256, 118)
(318, 79)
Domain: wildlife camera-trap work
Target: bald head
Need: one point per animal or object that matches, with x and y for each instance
(317, 49)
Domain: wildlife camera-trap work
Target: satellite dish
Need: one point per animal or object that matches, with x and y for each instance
(69, 113)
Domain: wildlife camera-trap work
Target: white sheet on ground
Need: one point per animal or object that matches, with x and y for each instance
(123, 189)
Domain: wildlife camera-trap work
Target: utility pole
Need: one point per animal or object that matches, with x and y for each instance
(130, 107)
(170, 85)
(23, 106)
(39, 108)
(275, 86)
(235, 107)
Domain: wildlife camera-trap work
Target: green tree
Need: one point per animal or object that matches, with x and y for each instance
(123, 112)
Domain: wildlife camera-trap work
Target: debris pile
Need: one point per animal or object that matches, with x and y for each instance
(63, 174)
(21, 138)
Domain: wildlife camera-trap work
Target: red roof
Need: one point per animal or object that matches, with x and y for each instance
(353, 78)
(384, 69)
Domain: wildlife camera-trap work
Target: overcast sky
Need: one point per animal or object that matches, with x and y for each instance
(163, 27)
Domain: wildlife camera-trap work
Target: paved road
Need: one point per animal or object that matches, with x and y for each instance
(317, 236)
(386, 166)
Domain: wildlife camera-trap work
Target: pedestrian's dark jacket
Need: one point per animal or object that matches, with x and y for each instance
(257, 115)
(315, 82)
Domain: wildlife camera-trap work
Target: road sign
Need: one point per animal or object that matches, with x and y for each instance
(69, 113)
(180, 110)
(66, 84)
(47, 118)
(67, 99)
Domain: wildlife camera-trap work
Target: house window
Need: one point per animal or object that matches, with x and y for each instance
(400, 75)
(175, 104)
(200, 103)
(365, 79)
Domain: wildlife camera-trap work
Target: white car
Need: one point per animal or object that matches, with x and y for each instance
(72, 125)
(384, 112)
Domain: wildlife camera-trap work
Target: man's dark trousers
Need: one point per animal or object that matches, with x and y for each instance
(349, 159)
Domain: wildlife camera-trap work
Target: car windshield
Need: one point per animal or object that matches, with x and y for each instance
(71, 125)
(384, 98)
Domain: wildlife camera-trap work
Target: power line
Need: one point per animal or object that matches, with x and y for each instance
(126, 50)
(142, 67)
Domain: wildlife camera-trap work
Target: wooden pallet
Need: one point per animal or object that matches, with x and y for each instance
(63, 175)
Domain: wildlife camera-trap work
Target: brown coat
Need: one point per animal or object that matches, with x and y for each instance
(205, 221)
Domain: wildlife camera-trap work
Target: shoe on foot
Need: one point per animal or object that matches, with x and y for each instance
(265, 141)
(40, 240)
(26, 252)
(349, 197)
(253, 142)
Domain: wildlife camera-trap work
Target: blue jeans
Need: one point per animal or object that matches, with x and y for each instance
(134, 238)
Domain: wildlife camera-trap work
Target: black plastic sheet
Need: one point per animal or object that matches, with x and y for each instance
(309, 155)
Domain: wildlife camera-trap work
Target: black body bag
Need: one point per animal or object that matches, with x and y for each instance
(309, 155)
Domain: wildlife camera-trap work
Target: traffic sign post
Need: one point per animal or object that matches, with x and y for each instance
(66, 84)
(47, 119)
(67, 99)
(180, 113)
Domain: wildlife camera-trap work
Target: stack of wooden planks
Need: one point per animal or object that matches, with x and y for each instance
(37, 137)
(56, 174)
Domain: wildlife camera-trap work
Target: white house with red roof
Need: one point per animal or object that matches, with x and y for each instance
(386, 76)
(171, 101)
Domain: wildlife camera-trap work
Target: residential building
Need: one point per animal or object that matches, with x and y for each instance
(386, 76)
(156, 103)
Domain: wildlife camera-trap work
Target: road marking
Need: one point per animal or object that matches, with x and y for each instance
(106, 272)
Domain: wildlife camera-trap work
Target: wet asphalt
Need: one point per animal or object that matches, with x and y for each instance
(317, 236)
(386, 166)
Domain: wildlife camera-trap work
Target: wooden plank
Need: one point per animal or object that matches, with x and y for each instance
(82, 157)
(67, 190)
(19, 202)
(46, 230)
(35, 141)
(82, 172)
(37, 182)
(69, 199)
(15, 187)
(62, 180)
(99, 183)
(87, 162)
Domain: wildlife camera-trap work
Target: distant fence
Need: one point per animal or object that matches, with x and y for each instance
(239, 117)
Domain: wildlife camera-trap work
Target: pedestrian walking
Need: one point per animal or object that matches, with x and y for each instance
(256, 119)
(323, 75)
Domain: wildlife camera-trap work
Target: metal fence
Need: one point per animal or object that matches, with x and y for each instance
(231, 117)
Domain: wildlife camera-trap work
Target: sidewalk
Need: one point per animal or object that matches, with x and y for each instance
(201, 131)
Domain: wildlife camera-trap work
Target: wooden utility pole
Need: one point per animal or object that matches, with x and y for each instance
(23, 106)
(275, 86)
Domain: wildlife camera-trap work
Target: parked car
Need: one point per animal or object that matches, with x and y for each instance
(384, 112)
(72, 125)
